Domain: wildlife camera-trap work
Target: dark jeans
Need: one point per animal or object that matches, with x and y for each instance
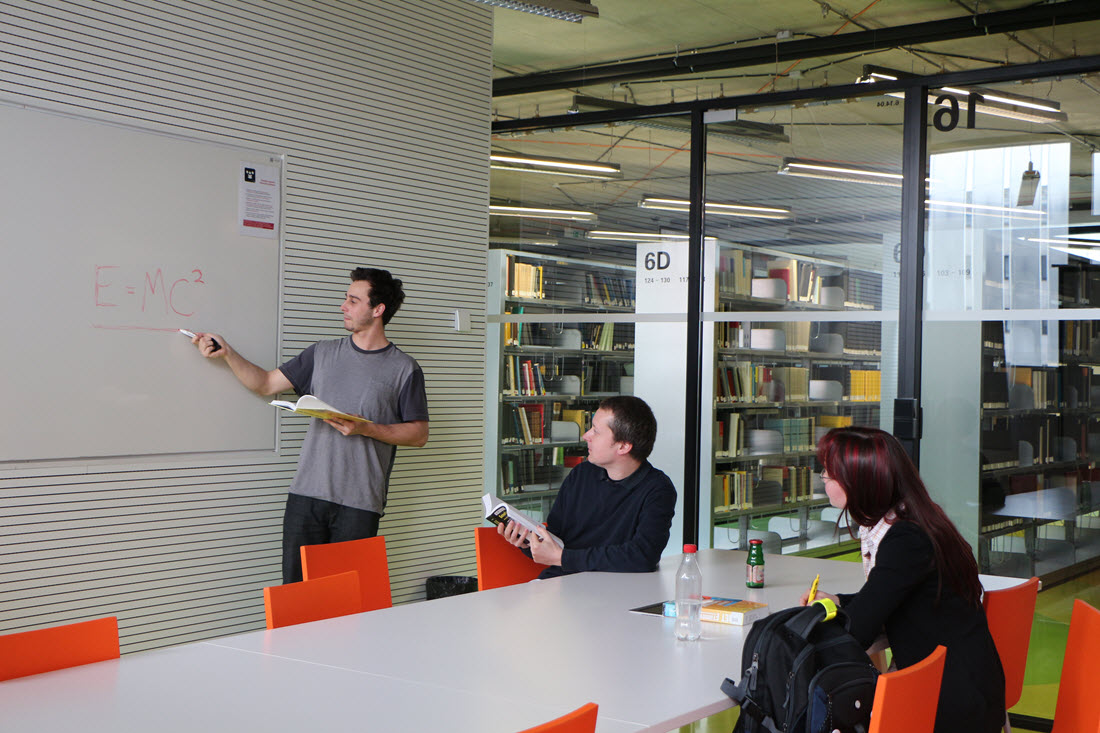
(309, 521)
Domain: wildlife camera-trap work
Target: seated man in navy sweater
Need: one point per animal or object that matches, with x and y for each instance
(614, 511)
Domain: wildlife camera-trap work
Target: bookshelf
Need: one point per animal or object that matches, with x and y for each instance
(546, 378)
(780, 381)
(1040, 442)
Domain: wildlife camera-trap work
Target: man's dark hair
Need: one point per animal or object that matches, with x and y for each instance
(632, 422)
(384, 288)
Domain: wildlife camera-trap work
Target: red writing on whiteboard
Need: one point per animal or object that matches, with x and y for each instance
(150, 291)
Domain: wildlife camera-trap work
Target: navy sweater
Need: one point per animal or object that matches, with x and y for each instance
(613, 526)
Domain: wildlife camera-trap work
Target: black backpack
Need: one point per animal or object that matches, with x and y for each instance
(803, 673)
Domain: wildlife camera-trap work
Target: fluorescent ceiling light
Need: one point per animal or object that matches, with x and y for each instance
(639, 236)
(1087, 253)
(501, 160)
(993, 101)
(572, 10)
(534, 213)
(838, 172)
(740, 129)
(1080, 236)
(986, 209)
(1079, 242)
(711, 207)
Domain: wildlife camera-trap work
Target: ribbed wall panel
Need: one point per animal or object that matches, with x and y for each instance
(382, 111)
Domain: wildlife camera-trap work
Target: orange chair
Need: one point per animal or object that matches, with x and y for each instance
(500, 563)
(581, 720)
(44, 650)
(1078, 706)
(1009, 613)
(366, 557)
(312, 600)
(906, 700)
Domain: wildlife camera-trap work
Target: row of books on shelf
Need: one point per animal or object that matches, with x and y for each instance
(601, 336)
(529, 471)
(857, 338)
(524, 424)
(1078, 338)
(537, 423)
(1036, 440)
(1032, 388)
(742, 382)
(774, 486)
(744, 274)
(605, 289)
(786, 279)
(524, 280)
(523, 377)
(737, 435)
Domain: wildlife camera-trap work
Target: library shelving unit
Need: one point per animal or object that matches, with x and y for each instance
(1040, 440)
(546, 378)
(778, 385)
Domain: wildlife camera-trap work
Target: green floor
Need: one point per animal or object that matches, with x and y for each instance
(1044, 660)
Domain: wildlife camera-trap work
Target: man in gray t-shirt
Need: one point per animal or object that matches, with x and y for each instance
(339, 491)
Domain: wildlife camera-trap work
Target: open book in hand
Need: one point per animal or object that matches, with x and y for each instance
(500, 512)
(313, 407)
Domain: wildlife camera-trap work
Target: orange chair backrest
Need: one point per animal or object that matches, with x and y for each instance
(366, 557)
(1078, 706)
(44, 650)
(906, 700)
(1009, 613)
(312, 600)
(581, 720)
(500, 563)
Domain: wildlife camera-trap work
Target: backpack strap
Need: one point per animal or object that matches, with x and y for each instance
(739, 693)
(802, 624)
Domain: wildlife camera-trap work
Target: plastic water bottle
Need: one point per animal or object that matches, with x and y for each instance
(689, 597)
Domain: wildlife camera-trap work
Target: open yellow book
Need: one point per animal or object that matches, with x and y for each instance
(312, 407)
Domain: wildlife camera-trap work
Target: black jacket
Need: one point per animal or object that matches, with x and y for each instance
(900, 597)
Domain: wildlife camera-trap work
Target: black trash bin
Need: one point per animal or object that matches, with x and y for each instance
(441, 586)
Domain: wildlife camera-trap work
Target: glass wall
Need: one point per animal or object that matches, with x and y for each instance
(582, 298)
(1011, 366)
(802, 225)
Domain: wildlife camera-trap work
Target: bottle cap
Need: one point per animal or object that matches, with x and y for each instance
(756, 542)
(690, 549)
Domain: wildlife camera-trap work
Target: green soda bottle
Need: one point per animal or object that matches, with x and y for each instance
(754, 568)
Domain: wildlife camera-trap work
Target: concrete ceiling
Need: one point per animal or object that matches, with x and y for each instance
(654, 157)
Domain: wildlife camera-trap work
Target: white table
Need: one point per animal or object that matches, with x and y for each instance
(499, 660)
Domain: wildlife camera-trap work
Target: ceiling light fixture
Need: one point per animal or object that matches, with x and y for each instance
(991, 101)
(502, 160)
(535, 213)
(1078, 242)
(639, 236)
(1011, 213)
(1087, 253)
(737, 129)
(838, 172)
(1029, 184)
(572, 10)
(711, 207)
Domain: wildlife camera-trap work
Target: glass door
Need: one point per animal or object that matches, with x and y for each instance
(802, 229)
(1011, 356)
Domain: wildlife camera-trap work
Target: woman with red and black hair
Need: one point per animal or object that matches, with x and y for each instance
(922, 586)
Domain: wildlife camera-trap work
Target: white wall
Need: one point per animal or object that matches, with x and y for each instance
(382, 110)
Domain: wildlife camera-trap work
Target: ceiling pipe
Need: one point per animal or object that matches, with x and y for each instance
(981, 24)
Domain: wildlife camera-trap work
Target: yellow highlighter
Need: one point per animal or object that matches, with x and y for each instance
(813, 589)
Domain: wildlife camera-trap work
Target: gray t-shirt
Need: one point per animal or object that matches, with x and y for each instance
(386, 386)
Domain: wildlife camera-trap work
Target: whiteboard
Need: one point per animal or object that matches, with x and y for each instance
(112, 239)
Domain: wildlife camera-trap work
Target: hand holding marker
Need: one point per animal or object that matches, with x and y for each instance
(192, 334)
